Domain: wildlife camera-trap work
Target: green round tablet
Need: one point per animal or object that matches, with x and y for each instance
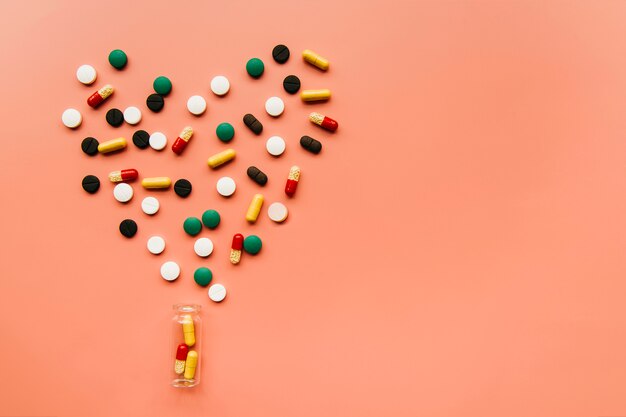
(118, 58)
(252, 244)
(225, 132)
(192, 226)
(211, 219)
(255, 67)
(162, 85)
(203, 276)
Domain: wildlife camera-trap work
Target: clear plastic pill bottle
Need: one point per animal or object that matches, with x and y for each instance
(185, 346)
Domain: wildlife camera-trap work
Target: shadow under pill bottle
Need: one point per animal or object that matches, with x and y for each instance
(185, 343)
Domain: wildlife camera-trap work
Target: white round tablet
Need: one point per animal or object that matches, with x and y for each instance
(150, 205)
(156, 245)
(274, 106)
(170, 270)
(277, 212)
(226, 186)
(217, 292)
(203, 247)
(220, 85)
(157, 141)
(86, 74)
(275, 145)
(72, 118)
(196, 105)
(123, 192)
(132, 115)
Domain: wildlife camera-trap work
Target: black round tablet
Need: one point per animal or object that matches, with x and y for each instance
(91, 184)
(310, 144)
(182, 188)
(291, 84)
(141, 139)
(280, 54)
(89, 145)
(155, 102)
(253, 123)
(115, 117)
(257, 175)
(128, 227)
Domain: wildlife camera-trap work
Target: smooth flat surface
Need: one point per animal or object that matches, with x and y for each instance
(457, 249)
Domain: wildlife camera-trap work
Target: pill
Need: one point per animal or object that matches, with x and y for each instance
(158, 141)
(181, 141)
(280, 53)
(253, 123)
(115, 117)
(128, 228)
(123, 175)
(170, 271)
(196, 105)
(181, 357)
(254, 208)
(123, 192)
(275, 145)
(252, 244)
(316, 60)
(235, 249)
(203, 276)
(192, 226)
(150, 205)
(277, 212)
(256, 175)
(225, 132)
(291, 84)
(162, 85)
(189, 331)
(182, 188)
(99, 96)
(89, 145)
(315, 95)
(221, 158)
(156, 183)
(274, 106)
(118, 59)
(155, 102)
(91, 184)
(211, 219)
(292, 181)
(71, 118)
(217, 292)
(226, 186)
(220, 85)
(203, 247)
(132, 115)
(141, 139)
(310, 144)
(323, 121)
(190, 365)
(255, 67)
(112, 145)
(156, 245)
(86, 74)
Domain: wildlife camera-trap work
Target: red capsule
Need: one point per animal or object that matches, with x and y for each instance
(99, 96)
(181, 141)
(323, 121)
(181, 352)
(237, 242)
(292, 181)
(123, 175)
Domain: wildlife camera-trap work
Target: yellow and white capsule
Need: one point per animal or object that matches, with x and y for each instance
(112, 145)
(189, 331)
(314, 59)
(191, 364)
(254, 208)
(221, 158)
(156, 182)
(315, 95)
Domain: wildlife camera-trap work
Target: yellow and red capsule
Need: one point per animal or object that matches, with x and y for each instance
(123, 175)
(99, 96)
(324, 121)
(181, 141)
(292, 181)
(181, 357)
(235, 249)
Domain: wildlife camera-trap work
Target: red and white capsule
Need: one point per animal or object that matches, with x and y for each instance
(235, 249)
(292, 181)
(324, 121)
(181, 141)
(99, 96)
(181, 357)
(123, 175)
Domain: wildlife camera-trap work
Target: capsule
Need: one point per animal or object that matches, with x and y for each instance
(123, 175)
(156, 182)
(221, 158)
(191, 364)
(315, 95)
(112, 145)
(235, 249)
(181, 141)
(323, 121)
(189, 332)
(256, 175)
(181, 356)
(310, 144)
(99, 96)
(254, 208)
(316, 60)
(292, 181)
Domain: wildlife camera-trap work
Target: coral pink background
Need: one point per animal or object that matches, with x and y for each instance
(457, 249)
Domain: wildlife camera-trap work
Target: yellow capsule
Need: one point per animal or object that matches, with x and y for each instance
(156, 182)
(221, 158)
(315, 95)
(314, 59)
(191, 364)
(112, 145)
(255, 208)
(189, 332)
